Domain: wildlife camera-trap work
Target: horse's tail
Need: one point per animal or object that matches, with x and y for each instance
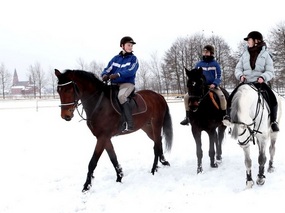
(167, 129)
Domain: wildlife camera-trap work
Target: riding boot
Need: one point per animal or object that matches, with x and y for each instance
(186, 120)
(273, 116)
(227, 119)
(128, 116)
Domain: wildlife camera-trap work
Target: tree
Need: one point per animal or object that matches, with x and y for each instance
(5, 79)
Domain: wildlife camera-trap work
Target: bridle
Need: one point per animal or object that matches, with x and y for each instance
(255, 129)
(75, 97)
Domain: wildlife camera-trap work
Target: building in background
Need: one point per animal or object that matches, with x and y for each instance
(22, 88)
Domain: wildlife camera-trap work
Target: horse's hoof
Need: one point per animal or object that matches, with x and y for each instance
(271, 169)
(214, 165)
(249, 184)
(199, 170)
(86, 188)
(260, 180)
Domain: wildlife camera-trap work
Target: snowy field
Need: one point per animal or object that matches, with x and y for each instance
(44, 159)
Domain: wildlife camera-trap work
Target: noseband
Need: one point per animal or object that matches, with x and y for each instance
(75, 102)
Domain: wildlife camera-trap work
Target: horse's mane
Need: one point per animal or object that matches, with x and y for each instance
(86, 75)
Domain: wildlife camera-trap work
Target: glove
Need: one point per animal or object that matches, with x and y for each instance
(114, 76)
(105, 77)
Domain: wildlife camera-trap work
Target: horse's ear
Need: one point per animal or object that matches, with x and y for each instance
(57, 72)
(187, 71)
(200, 69)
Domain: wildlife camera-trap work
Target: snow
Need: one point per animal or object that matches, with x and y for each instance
(44, 159)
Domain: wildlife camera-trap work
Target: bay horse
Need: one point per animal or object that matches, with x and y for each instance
(205, 115)
(104, 119)
(250, 124)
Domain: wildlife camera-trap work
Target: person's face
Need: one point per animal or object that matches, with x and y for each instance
(128, 47)
(206, 53)
(250, 42)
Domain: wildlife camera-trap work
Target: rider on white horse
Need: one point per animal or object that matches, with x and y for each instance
(256, 66)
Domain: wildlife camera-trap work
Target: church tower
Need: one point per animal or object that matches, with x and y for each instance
(15, 78)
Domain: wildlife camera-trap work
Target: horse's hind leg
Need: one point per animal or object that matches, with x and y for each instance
(155, 135)
(113, 157)
(248, 164)
(221, 135)
(213, 138)
(272, 152)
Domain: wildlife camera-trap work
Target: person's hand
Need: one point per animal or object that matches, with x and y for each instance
(212, 86)
(105, 77)
(114, 76)
(260, 80)
(242, 78)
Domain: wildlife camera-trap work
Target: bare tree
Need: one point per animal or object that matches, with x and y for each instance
(5, 78)
(37, 77)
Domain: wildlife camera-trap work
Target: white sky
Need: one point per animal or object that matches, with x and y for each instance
(56, 33)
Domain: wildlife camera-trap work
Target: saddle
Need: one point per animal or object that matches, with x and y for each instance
(215, 99)
(137, 102)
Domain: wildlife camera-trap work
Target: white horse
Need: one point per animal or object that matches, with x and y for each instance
(250, 123)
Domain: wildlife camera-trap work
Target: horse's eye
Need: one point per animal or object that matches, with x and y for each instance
(193, 83)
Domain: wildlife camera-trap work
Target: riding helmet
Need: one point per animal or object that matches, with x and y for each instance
(210, 48)
(126, 39)
(254, 35)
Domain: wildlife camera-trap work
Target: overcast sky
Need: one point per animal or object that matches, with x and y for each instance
(56, 33)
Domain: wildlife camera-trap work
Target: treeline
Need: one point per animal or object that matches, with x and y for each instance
(166, 75)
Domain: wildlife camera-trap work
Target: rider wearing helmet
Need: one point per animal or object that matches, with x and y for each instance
(256, 66)
(121, 70)
(213, 74)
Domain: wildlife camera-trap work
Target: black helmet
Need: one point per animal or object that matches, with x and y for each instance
(254, 35)
(210, 48)
(126, 39)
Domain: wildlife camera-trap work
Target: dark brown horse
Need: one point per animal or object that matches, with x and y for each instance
(151, 114)
(206, 116)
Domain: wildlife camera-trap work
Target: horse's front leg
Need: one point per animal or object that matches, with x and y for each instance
(113, 157)
(272, 152)
(199, 152)
(92, 164)
(248, 164)
(213, 139)
(261, 160)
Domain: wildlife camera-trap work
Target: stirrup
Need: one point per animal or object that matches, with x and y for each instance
(126, 128)
(226, 120)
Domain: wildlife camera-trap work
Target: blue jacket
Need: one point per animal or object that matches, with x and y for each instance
(125, 65)
(211, 70)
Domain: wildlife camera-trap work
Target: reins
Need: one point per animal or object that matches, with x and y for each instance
(253, 131)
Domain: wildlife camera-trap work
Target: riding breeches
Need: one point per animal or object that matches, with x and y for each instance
(125, 90)
(222, 98)
(186, 102)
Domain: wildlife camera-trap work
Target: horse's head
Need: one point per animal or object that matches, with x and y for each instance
(196, 87)
(68, 93)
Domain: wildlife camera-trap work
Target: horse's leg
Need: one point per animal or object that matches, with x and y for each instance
(93, 163)
(248, 164)
(199, 152)
(213, 139)
(272, 152)
(221, 135)
(113, 157)
(261, 161)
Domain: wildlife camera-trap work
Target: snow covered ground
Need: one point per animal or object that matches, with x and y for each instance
(44, 159)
